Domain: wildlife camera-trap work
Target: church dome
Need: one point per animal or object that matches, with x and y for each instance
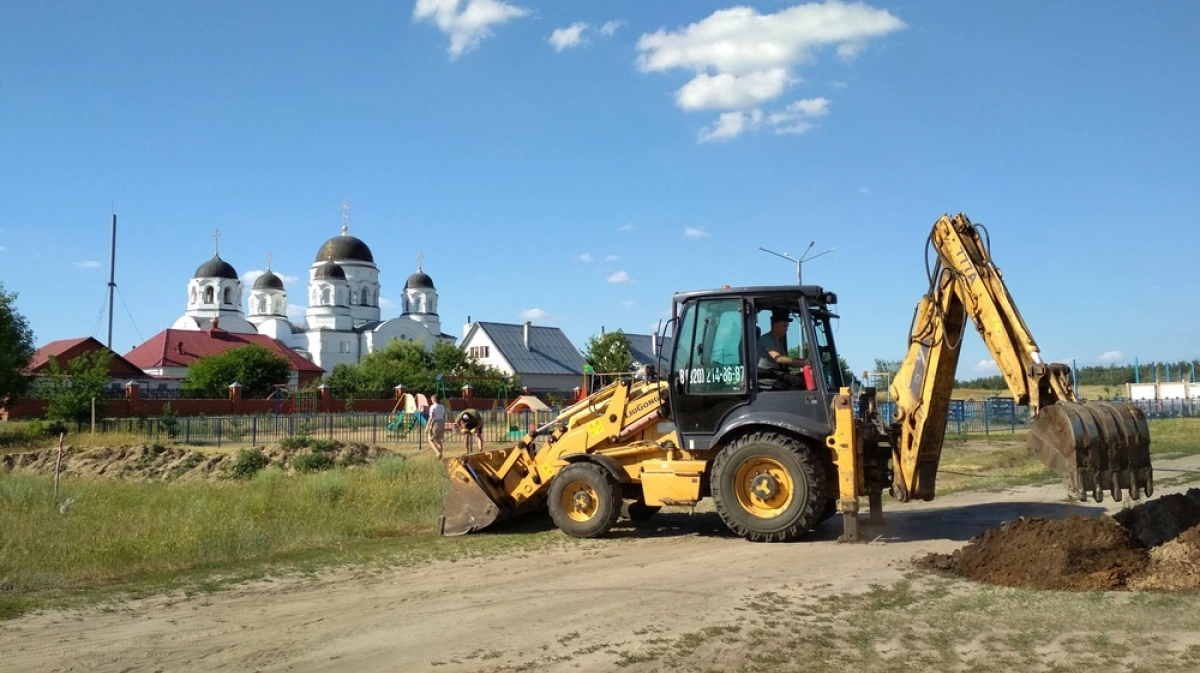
(419, 280)
(216, 268)
(269, 281)
(346, 248)
(330, 270)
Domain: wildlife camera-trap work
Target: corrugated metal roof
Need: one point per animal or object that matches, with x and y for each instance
(640, 347)
(549, 352)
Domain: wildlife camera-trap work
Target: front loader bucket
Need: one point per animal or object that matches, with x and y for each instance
(1094, 447)
(468, 506)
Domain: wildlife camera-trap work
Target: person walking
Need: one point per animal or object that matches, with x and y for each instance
(437, 424)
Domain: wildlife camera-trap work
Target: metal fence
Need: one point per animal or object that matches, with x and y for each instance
(1001, 414)
(367, 428)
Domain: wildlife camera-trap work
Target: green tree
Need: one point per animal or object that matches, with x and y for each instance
(407, 363)
(257, 368)
(609, 353)
(16, 348)
(70, 393)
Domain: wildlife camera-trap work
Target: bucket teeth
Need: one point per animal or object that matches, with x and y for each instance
(468, 506)
(1095, 446)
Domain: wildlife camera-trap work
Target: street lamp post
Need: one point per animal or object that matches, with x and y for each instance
(799, 262)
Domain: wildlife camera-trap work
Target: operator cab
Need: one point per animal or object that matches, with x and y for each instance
(722, 376)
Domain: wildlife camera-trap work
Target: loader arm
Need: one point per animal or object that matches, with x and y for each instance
(1092, 446)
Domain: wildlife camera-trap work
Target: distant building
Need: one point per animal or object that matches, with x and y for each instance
(342, 322)
(120, 370)
(543, 357)
(168, 354)
(647, 348)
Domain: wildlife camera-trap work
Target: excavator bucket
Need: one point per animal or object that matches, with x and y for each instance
(486, 488)
(1094, 447)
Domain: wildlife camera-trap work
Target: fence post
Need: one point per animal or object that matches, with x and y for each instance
(1012, 415)
(187, 430)
(219, 422)
(987, 430)
(254, 431)
(374, 428)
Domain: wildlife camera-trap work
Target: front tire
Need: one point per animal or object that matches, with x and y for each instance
(585, 500)
(769, 487)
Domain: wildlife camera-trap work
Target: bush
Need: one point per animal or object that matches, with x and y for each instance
(248, 463)
(313, 461)
(325, 445)
(296, 442)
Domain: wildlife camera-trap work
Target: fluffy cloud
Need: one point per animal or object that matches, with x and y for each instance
(296, 311)
(612, 258)
(741, 59)
(695, 232)
(585, 258)
(628, 303)
(986, 367)
(468, 25)
(619, 277)
(626, 227)
(610, 27)
(386, 303)
(534, 314)
(88, 264)
(253, 274)
(571, 36)
(1109, 357)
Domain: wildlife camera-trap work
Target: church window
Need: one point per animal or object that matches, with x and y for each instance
(262, 304)
(345, 347)
(353, 297)
(366, 297)
(325, 298)
(192, 296)
(208, 295)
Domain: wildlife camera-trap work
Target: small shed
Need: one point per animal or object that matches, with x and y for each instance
(526, 403)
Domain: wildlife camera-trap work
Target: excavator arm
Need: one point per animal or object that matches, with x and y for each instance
(1093, 446)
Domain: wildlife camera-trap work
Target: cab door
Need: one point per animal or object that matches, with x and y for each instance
(709, 367)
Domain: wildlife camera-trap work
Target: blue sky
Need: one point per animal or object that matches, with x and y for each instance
(576, 162)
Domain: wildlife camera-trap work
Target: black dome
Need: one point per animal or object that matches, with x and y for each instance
(268, 281)
(216, 268)
(345, 247)
(330, 270)
(418, 280)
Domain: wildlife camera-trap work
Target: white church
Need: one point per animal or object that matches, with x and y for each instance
(342, 322)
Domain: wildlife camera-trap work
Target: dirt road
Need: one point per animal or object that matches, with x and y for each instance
(677, 585)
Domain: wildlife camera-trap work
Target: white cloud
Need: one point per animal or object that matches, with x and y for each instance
(612, 258)
(1108, 357)
(730, 125)
(466, 26)
(534, 314)
(296, 311)
(695, 232)
(384, 302)
(626, 227)
(566, 38)
(628, 303)
(88, 264)
(986, 367)
(864, 190)
(610, 27)
(741, 59)
(585, 258)
(619, 277)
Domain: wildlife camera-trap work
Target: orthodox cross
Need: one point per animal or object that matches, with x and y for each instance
(268, 261)
(217, 241)
(345, 215)
(420, 257)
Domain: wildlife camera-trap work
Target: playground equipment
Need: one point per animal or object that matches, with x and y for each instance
(403, 422)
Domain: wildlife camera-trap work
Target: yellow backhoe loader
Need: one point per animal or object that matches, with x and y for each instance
(781, 452)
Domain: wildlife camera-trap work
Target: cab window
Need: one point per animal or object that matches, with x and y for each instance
(710, 353)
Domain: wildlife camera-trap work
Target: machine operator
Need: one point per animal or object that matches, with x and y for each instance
(773, 361)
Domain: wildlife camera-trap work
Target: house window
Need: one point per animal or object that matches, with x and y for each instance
(345, 347)
(478, 352)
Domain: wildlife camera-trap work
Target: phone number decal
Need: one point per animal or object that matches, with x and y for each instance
(730, 375)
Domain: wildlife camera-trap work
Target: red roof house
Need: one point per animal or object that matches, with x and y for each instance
(169, 353)
(65, 350)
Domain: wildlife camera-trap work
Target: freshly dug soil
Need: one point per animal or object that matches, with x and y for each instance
(165, 463)
(1076, 553)
(1161, 520)
(1153, 546)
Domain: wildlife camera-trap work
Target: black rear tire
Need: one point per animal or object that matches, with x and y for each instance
(769, 487)
(585, 500)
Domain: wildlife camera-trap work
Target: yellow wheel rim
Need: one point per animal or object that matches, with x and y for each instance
(580, 502)
(763, 487)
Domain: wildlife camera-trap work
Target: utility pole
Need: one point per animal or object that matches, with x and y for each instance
(799, 262)
(112, 278)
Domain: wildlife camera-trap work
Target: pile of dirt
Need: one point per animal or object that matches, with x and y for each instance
(1155, 545)
(156, 462)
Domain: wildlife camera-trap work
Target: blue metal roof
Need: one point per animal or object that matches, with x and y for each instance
(643, 353)
(549, 352)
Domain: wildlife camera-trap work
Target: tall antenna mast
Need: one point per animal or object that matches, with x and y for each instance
(803, 258)
(112, 278)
